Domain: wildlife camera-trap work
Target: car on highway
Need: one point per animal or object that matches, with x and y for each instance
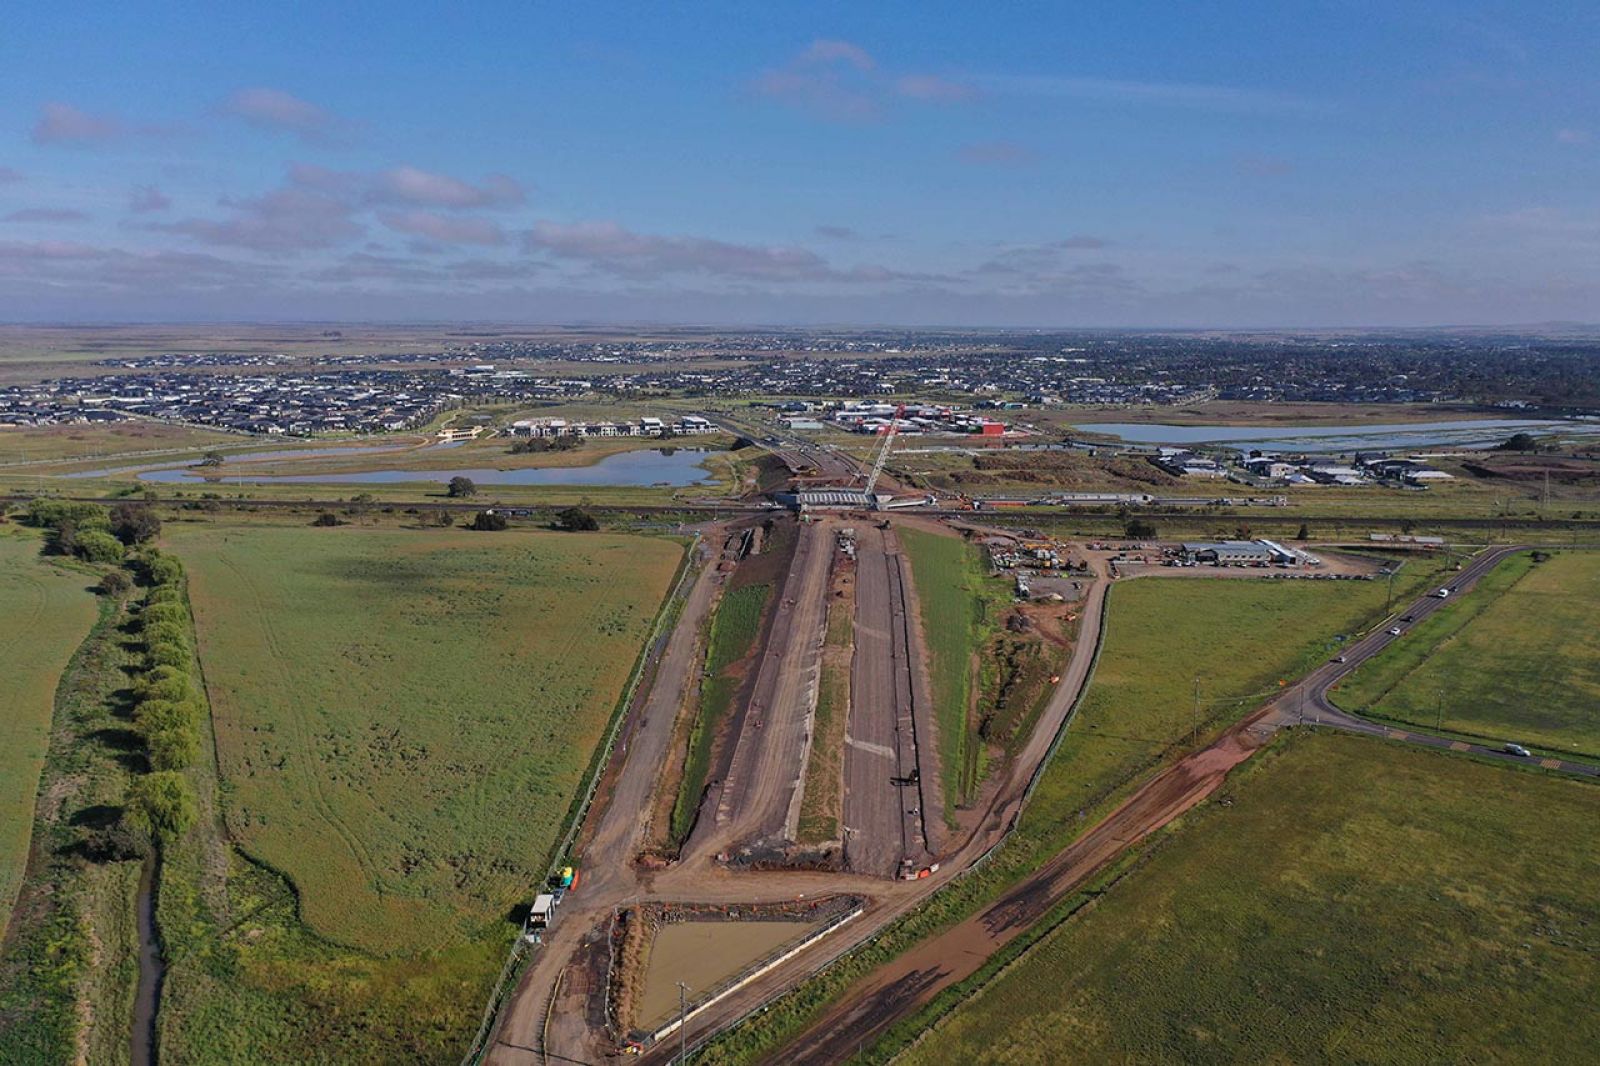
(1337, 659)
(1394, 631)
(1517, 750)
(1443, 594)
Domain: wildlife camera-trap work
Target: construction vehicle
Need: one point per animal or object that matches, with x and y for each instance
(883, 454)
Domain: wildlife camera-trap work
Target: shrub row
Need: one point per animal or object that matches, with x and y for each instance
(167, 707)
(167, 692)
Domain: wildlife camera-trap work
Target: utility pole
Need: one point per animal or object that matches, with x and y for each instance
(1388, 603)
(1194, 717)
(683, 1026)
(1438, 703)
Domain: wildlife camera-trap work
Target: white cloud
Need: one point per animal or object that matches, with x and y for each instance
(445, 230)
(61, 123)
(275, 109)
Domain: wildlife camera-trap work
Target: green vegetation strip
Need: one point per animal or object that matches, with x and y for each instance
(1341, 903)
(733, 633)
(958, 603)
(821, 802)
(1137, 717)
(73, 934)
(1517, 658)
(44, 616)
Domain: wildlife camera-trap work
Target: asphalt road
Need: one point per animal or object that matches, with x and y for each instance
(882, 813)
(1316, 706)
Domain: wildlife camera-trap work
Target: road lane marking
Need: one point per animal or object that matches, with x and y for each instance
(1460, 745)
(1395, 734)
(867, 746)
(1550, 764)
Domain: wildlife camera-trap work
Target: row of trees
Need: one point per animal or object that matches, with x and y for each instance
(167, 708)
(90, 531)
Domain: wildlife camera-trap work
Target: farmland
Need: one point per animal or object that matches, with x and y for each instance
(44, 615)
(956, 600)
(1517, 658)
(402, 718)
(1337, 904)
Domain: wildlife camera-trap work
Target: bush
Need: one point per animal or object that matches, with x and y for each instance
(488, 521)
(576, 520)
(175, 748)
(97, 546)
(1140, 529)
(153, 716)
(165, 570)
(167, 653)
(327, 518)
(134, 523)
(462, 487)
(115, 583)
(53, 514)
(162, 805)
(175, 686)
(165, 611)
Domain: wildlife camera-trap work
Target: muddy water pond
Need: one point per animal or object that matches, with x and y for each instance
(703, 955)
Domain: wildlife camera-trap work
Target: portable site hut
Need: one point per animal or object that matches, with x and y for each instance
(544, 907)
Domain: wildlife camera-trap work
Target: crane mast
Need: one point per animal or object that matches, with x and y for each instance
(883, 453)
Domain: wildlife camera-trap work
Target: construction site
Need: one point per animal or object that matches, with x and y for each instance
(749, 830)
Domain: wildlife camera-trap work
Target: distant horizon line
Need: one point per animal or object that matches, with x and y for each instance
(589, 324)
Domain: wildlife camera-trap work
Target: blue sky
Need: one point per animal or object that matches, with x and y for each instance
(1129, 164)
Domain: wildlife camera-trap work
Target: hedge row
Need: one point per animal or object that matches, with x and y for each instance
(167, 694)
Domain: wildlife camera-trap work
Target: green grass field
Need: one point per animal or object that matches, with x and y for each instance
(45, 613)
(127, 438)
(1355, 901)
(958, 601)
(1517, 658)
(733, 631)
(403, 718)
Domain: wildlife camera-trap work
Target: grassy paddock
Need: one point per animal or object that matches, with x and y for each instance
(958, 604)
(1517, 658)
(402, 717)
(44, 615)
(1346, 905)
(68, 965)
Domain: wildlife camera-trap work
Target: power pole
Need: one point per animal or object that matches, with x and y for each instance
(683, 1026)
(1194, 716)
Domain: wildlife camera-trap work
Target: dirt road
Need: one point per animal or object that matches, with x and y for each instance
(757, 799)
